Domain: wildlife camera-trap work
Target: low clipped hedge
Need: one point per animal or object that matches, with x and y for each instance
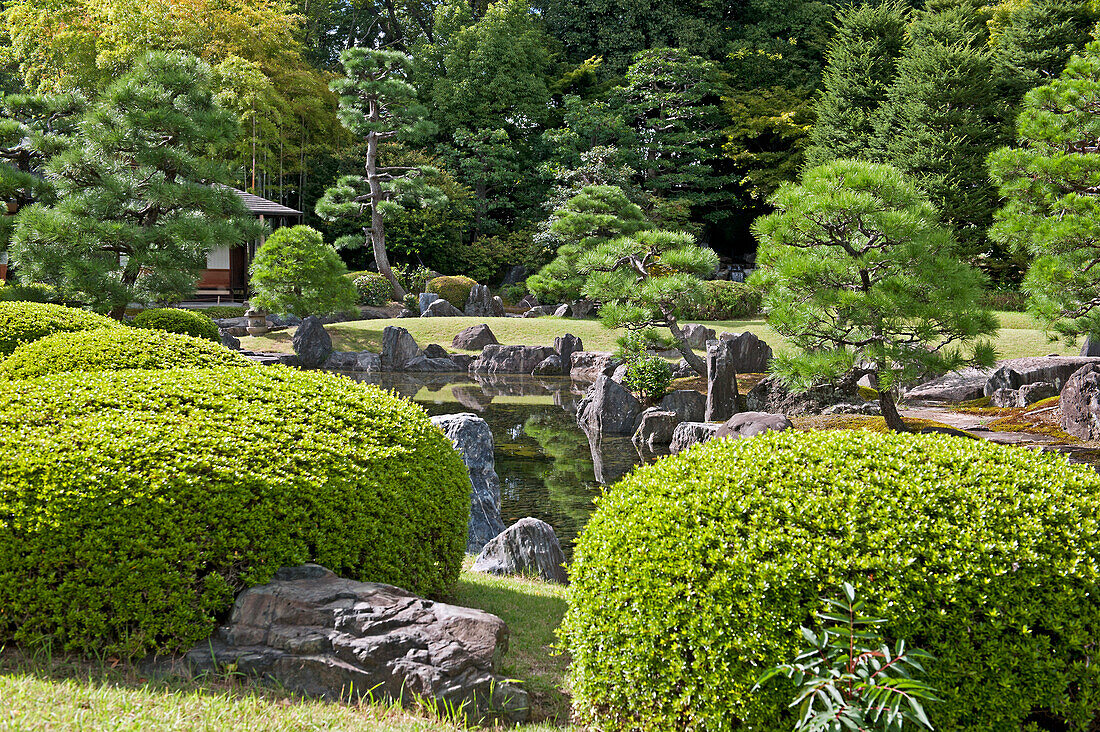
(453, 289)
(176, 320)
(115, 349)
(134, 504)
(725, 300)
(695, 573)
(25, 322)
(373, 289)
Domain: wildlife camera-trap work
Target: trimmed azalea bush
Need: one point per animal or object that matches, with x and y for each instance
(454, 289)
(115, 349)
(134, 504)
(694, 575)
(25, 322)
(296, 272)
(725, 300)
(176, 320)
(373, 289)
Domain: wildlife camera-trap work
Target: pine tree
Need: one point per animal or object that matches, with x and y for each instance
(940, 121)
(861, 64)
(138, 203)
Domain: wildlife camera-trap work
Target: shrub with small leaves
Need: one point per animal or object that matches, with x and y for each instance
(177, 320)
(649, 377)
(455, 290)
(25, 322)
(33, 292)
(373, 289)
(724, 300)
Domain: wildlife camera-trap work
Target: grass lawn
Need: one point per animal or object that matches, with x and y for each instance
(45, 693)
(1019, 334)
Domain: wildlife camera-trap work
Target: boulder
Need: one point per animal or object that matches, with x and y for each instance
(528, 547)
(229, 340)
(341, 361)
(472, 438)
(583, 308)
(320, 635)
(312, 343)
(655, 427)
(750, 354)
(368, 362)
(687, 434)
(721, 381)
(497, 359)
(539, 311)
(619, 375)
(441, 309)
(588, 366)
(423, 364)
(563, 311)
(565, 346)
(750, 424)
(426, 299)
(772, 396)
(462, 360)
(549, 366)
(434, 350)
(474, 338)
(608, 408)
(529, 301)
(1080, 403)
(689, 405)
(398, 348)
(481, 303)
(1018, 372)
(683, 370)
(958, 386)
(696, 336)
(1029, 394)
(1090, 348)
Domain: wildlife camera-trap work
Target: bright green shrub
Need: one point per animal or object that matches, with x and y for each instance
(296, 272)
(33, 292)
(115, 349)
(694, 574)
(133, 504)
(175, 320)
(24, 322)
(724, 300)
(373, 289)
(455, 290)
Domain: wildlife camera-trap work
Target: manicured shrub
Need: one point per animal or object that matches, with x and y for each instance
(296, 272)
(373, 289)
(116, 349)
(33, 292)
(134, 504)
(175, 320)
(455, 290)
(24, 322)
(724, 300)
(649, 377)
(695, 573)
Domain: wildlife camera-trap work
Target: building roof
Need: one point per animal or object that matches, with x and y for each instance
(258, 205)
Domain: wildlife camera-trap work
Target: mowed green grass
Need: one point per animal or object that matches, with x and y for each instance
(40, 692)
(1019, 336)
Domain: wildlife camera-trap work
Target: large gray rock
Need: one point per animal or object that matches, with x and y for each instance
(772, 396)
(481, 303)
(565, 346)
(689, 405)
(423, 364)
(750, 424)
(588, 366)
(963, 385)
(497, 359)
(696, 336)
(368, 362)
(721, 381)
(320, 635)
(434, 350)
(655, 427)
(540, 311)
(312, 343)
(472, 438)
(583, 308)
(398, 348)
(229, 340)
(425, 299)
(1018, 372)
(750, 354)
(1090, 348)
(608, 408)
(474, 338)
(687, 434)
(441, 309)
(563, 311)
(549, 366)
(1080, 403)
(341, 361)
(528, 547)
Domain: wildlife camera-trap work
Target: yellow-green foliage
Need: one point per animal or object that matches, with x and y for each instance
(175, 320)
(115, 349)
(695, 573)
(24, 322)
(134, 504)
(455, 290)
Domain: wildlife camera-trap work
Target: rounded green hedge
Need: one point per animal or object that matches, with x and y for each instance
(454, 289)
(176, 320)
(373, 289)
(25, 322)
(134, 504)
(116, 349)
(695, 573)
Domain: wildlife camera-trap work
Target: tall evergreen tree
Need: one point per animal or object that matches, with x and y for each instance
(862, 61)
(137, 204)
(940, 120)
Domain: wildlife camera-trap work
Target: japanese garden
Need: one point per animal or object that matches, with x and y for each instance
(550, 365)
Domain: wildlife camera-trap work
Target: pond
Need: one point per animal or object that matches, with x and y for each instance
(548, 467)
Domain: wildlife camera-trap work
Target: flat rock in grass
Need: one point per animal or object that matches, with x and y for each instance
(321, 635)
(471, 436)
(312, 343)
(528, 547)
(1019, 372)
(687, 434)
(498, 359)
(474, 338)
(434, 350)
(963, 385)
(750, 424)
(398, 348)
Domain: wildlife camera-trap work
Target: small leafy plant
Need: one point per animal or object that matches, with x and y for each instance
(850, 680)
(647, 375)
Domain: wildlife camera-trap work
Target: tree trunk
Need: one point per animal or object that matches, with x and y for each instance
(890, 411)
(377, 227)
(689, 355)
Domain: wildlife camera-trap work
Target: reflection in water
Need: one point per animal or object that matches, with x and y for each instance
(548, 467)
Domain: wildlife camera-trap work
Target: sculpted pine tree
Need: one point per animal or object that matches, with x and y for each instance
(1052, 203)
(859, 276)
(138, 202)
(378, 103)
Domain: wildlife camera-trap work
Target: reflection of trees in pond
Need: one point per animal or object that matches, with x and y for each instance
(570, 479)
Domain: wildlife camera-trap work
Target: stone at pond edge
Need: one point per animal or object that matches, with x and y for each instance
(565, 346)
(608, 408)
(590, 365)
(474, 338)
(434, 350)
(655, 427)
(721, 381)
(472, 438)
(689, 405)
(321, 635)
(549, 366)
(497, 359)
(687, 434)
(750, 424)
(528, 547)
(1080, 403)
(312, 343)
(398, 348)
(423, 364)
